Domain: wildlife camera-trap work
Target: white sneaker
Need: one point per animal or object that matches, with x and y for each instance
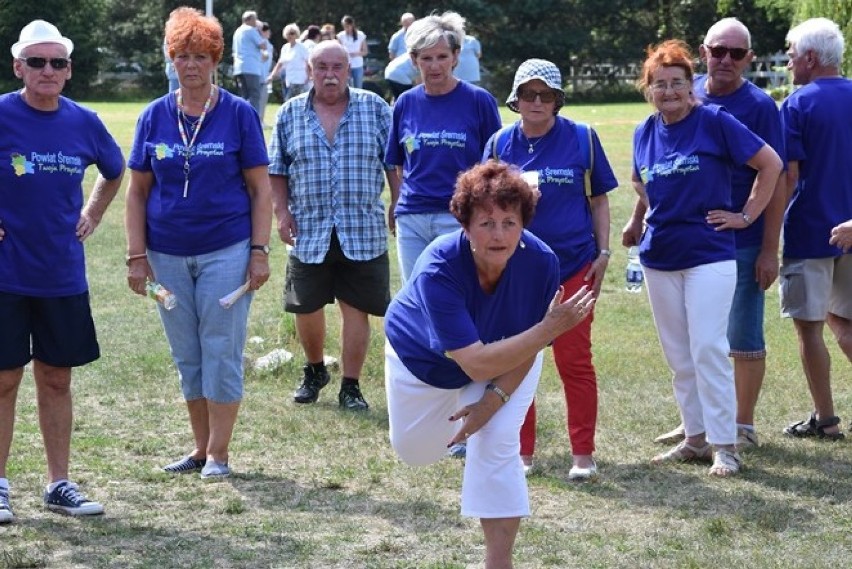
(213, 469)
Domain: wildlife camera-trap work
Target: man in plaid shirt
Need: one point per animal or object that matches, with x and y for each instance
(327, 172)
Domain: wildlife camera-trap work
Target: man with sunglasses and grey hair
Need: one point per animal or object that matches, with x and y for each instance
(727, 53)
(46, 143)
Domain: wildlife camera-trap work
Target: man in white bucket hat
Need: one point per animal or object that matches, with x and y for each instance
(46, 143)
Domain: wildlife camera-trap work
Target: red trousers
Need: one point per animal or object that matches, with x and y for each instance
(572, 353)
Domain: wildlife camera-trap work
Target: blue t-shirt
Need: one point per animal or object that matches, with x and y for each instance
(43, 157)
(436, 137)
(563, 218)
(443, 308)
(754, 108)
(216, 211)
(686, 168)
(818, 134)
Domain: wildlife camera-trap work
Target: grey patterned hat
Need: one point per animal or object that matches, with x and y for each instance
(537, 69)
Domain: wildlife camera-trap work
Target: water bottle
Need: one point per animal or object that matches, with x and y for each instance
(633, 275)
(161, 294)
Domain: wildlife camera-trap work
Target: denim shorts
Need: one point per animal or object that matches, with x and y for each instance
(206, 340)
(58, 331)
(745, 324)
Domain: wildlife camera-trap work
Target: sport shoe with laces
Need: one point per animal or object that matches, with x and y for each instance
(185, 465)
(6, 514)
(350, 398)
(312, 382)
(67, 499)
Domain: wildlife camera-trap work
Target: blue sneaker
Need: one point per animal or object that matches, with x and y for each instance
(67, 499)
(185, 465)
(215, 469)
(6, 514)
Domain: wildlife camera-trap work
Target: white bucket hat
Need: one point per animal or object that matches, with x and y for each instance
(39, 31)
(541, 69)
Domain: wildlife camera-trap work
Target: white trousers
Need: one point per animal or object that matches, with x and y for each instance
(691, 310)
(494, 485)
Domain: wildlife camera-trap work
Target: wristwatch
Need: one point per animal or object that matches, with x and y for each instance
(606, 252)
(262, 248)
(746, 218)
(500, 393)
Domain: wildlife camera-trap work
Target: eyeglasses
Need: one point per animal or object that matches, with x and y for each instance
(720, 51)
(529, 95)
(675, 85)
(40, 62)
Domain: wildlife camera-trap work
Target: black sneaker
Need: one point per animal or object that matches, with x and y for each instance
(6, 514)
(312, 382)
(67, 499)
(350, 398)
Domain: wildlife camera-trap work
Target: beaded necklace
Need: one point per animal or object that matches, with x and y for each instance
(189, 143)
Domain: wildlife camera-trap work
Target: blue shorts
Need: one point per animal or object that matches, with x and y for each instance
(206, 340)
(745, 324)
(58, 331)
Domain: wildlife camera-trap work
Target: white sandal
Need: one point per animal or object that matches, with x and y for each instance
(725, 463)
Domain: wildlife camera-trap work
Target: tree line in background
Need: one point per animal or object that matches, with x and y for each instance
(584, 32)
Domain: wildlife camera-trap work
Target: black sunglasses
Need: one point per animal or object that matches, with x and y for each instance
(720, 51)
(40, 62)
(529, 95)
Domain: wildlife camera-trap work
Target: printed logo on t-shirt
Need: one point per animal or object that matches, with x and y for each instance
(680, 165)
(46, 163)
(163, 150)
(558, 176)
(434, 140)
(21, 164)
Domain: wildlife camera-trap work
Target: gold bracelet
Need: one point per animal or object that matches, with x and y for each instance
(130, 258)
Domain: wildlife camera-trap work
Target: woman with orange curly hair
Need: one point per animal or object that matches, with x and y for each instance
(683, 156)
(198, 216)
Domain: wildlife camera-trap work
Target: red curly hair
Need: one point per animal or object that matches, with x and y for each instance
(670, 53)
(190, 31)
(488, 184)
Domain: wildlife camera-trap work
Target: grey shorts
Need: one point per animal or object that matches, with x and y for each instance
(811, 288)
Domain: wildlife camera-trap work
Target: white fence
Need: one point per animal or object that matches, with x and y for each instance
(767, 71)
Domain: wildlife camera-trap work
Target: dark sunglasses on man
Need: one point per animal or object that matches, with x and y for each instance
(40, 62)
(720, 51)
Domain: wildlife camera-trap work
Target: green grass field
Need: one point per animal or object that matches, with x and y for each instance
(318, 488)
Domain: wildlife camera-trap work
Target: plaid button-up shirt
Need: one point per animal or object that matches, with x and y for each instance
(337, 184)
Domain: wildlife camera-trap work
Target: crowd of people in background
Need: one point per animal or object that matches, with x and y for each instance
(502, 236)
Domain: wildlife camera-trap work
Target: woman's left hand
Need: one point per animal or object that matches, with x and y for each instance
(596, 274)
(475, 416)
(258, 270)
(723, 219)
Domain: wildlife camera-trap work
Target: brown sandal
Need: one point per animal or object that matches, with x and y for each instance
(685, 452)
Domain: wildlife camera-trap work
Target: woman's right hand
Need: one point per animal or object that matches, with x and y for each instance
(632, 233)
(138, 273)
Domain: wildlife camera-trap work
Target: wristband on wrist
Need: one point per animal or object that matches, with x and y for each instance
(499, 392)
(130, 258)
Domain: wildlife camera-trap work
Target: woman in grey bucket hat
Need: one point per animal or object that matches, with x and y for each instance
(572, 217)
